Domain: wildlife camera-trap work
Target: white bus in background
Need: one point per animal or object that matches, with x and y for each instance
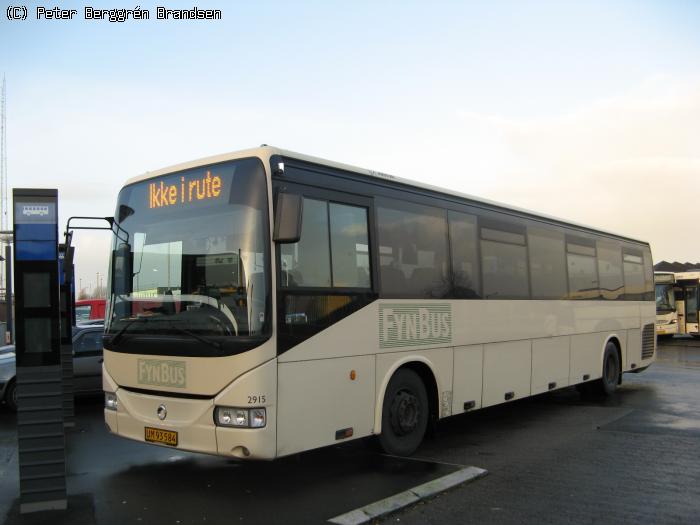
(688, 302)
(265, 303)
(666, 314)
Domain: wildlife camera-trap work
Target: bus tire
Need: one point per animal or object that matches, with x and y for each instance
(405, 413)
(607, 384)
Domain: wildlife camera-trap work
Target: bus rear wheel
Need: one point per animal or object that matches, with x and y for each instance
(607, 384)
(405, 414)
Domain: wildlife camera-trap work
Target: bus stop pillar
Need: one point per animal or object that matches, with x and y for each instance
(40, 434)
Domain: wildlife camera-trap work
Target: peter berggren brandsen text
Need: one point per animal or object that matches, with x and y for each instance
(124, 15)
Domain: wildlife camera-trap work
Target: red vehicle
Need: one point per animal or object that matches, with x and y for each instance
(88, 309)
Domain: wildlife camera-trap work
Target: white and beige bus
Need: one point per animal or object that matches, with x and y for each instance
(687, 289)
(265, 303)
(666, 313)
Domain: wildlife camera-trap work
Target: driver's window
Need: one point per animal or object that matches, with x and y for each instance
(307, 262)
(333, 250)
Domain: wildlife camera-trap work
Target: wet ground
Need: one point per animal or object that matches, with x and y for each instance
(553, 458)
(633, 458)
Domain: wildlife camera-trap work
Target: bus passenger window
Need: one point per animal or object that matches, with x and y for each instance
(547, 263)
(504, 264)
(634, 275)
(412, 250)
(583, 271)
(465, 256)
(612, 285)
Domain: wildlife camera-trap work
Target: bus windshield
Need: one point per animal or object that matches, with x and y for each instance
(191, 258)
(665, 301)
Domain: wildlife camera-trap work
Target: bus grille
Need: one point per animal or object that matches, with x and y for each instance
(648, 337)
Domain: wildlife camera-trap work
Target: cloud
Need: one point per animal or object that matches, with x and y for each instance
(628, 164)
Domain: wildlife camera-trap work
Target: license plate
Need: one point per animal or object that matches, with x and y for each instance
(156, 435)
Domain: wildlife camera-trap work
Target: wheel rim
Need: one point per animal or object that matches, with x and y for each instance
(405, 413)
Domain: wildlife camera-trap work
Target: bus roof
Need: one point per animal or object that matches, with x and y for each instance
(265, 152)
(688, 276)
(664, 277)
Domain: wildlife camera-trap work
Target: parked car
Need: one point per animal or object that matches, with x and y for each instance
(87, 365)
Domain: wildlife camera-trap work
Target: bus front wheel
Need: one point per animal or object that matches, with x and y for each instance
(405, 414)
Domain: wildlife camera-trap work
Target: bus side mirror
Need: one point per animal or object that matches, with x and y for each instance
(288, 218)
(122, 269)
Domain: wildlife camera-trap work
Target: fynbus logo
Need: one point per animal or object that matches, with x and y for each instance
(161, 373)
(414, 324)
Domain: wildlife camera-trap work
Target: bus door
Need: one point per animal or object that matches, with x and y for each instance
(679, 296)
(322, 280)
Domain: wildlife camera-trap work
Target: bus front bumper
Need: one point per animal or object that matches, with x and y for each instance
(188, 424)
(667, 329)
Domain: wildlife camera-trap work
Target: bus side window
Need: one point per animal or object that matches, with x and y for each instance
(634, 274)
(547, 263)
(504, 262)
(612, 284)
(413, 250)
(466, 275)
(582, 267)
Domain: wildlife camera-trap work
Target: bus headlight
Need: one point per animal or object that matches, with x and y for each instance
(111, 401)
(257, 417)
(240, 417)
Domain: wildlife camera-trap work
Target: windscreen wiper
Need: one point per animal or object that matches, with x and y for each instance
(115, 338)
(199, 338)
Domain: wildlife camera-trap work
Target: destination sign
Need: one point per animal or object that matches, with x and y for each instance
(185, 191)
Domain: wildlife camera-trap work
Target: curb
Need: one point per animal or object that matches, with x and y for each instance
(409, 497)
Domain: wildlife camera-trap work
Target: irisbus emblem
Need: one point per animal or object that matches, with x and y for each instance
(159, 372)
(414, 324)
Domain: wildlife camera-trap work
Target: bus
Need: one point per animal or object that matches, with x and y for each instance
(264, 303)
(688, 302)
(666, 314)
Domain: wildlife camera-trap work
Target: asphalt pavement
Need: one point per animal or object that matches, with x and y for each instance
(555, 458)
(558, 458)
